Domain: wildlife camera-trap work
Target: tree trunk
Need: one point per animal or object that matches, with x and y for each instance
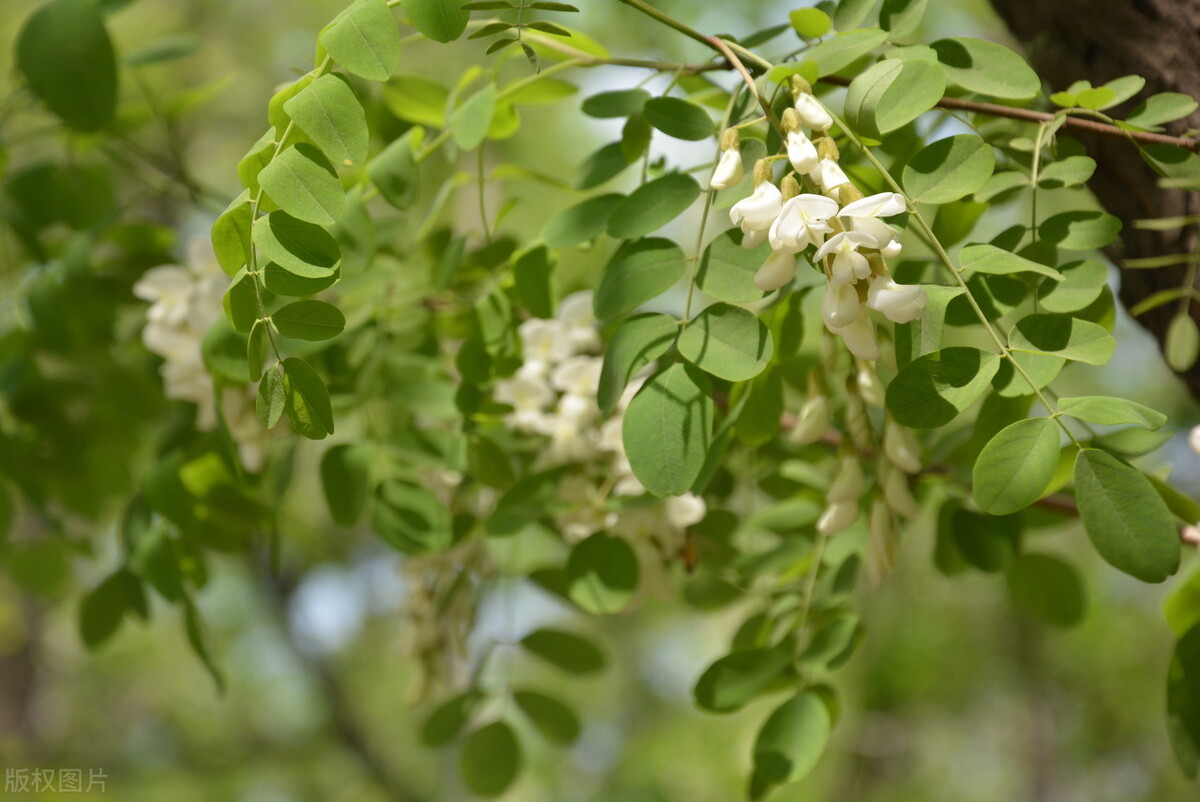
(1098, 40)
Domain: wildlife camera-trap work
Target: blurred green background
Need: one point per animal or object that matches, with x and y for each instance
(955, 697)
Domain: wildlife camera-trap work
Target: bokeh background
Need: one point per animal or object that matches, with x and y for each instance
(955, 697)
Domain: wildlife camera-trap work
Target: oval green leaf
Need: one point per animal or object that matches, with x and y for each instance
(602, 574)
(978, 65)
(653, 205)
(491, 759)
(564, 650)
(668, 428)
(933, 389)
(364, 40)
(1014, 469)
(679, 118)
(303, 183)
(949, 169)
(67, 58)
(1063, 336)
(638, 272)
(1048, 588)
(636, 342)
(328, 111)
(728, 342)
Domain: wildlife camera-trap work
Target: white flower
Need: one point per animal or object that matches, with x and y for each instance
(544, 343)
(863, 216)
(752, 239)
(891, 250)
(812, 113)
(813, 422)
(869, 386)
(578, 409)
(848, 264)
(1194, 439)
(899, 303)
(897, 493)
(901, 448)
(840, 307)
(801, 222)
(576, 313)
(728, 172)
(802, 153)
(578, 375)
(838, 517)
(528, 396)
(169, 289)
(859, 337)
(238, 407)
(686, 510)
(830, 176)
(759, 210)
(569, 442)
(848, 484)
(778, 271)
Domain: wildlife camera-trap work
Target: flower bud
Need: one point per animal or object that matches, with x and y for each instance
(891, 250)
(897, 492)
(859, 337)
(789, 187)
(848, 484)
(869, 386)
(899, 303)
(801, 152)
(776, 272)
(848, 193)
(827, 149)
(881, 541)
(728, 172)
(730, 139)
(813, 422)
(812, 113)
(800, 86)
(840, 306)
(837, 517)
(902, 448)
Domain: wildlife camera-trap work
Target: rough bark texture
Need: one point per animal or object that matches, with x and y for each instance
(1099, 40)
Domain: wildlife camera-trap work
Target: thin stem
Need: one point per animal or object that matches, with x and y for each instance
(723, 47)
(482, 184)
(671, 22)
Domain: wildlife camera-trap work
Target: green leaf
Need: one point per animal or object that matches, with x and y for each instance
(345, 471)
(893, 93)
(329, 113)
(581, 222)
(231, 235)
(394, 171)
(532, 273)
(241, 302)
(166, 48)
(256, 349)
(1109, 411)
(307, 400)
(810, 23)
(1080, 230)
(1081, 284)
(553, 719)
(1048, 588)
(309, 320)
(638, 272)
(1182, 606)
(850, 13)
(728, 342)
(1182, 346)
(602, 574)
(417, 99)
(1063, 336)
(902, 18)
(949, 169)
(679, 118)
(491, 756)
(64, 52)
(737, 678)
(652, 205)
(601, 166)
(988, 542)
(998, 262)
(834, 55)
(726, 270)
(1095, 98)
(469, 122)
(1162, 108)
(1001, 184)
(303, 183)
(271, 397)
(106, 606)
(1183, 702)
(791, 741)
(1014, 469)
(564, 650)
(636, 343)
(667, 430)
(618, 103)
(1123, 89)
(448, 719)
(1069, 172)
(364, 40)
(932, 390)
(834, 642)
(440, 20)
(409, 518)
(1126, 519)
(258, 157)
(978, 65)
(281, 282)
(300, 248)
(547, 90)
(924, 335)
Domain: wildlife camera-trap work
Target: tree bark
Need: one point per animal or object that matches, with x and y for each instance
(1099, 40)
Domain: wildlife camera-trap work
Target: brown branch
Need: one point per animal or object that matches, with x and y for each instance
(723, 48)
(1028, 115)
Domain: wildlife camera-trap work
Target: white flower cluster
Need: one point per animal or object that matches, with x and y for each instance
(184, 304)
(850, 238)
(554, 394)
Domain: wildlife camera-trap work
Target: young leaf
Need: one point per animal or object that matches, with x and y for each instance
(728, 342)
(364, 40)
(440, 20)
(1015, 467)
(564, 650)
(679, 118)
(328, 111)
(638, 272)
(309, 320)
(949, 169)
(932, 390)
(469, 122)
(491, 758)
(271, 397)
(636, 342)
(1108, 411)
(307, 400)
(1162, 108)
(303, 183)
(810, 23)
(652, 205)
(978, 65)
(1126, 519)
(1048, 588)
(667, 430)
(64, 52)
